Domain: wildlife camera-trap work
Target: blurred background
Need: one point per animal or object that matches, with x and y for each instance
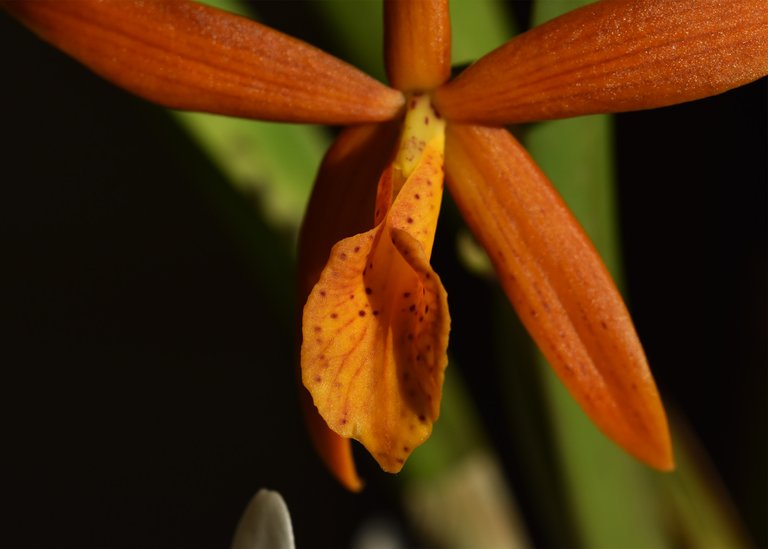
(147, 343)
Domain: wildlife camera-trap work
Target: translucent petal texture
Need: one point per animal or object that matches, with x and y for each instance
(417, 43)
(188, 56)
(614, 56)
(342, 203)
(375, 327)
(559, 287)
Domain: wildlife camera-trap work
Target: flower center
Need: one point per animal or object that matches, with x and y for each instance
(423, 125)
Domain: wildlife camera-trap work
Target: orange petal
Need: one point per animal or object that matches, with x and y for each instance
(614, 56)
(185, 55)
(559, 286)
(341, 205)
(375, 327)
(417, 41)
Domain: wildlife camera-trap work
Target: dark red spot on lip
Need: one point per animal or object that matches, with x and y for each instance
(318, 329)
(426, 121)
(375, 313)
(422, 418)
(334, 315)
(407, 294)
(412, 308)
(417, 196)
(406, 449)
(318, 379)
(368, 291)
(357, 249)
(322, 293)
(343, 256)
(409, 220)
(361, 313)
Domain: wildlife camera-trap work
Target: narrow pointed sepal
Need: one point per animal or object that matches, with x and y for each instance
(559, 287)
(614, 56)
(185, 55)
(417, 43)
(342, 200)
(375, 327)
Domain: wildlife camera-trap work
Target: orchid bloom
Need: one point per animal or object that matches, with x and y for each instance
(375, 323)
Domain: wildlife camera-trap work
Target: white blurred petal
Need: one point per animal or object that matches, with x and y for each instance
(265, 524)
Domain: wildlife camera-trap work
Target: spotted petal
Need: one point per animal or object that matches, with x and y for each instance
(341, 204)
(614, 56)
(559, 287)
(185, 55)
(375, 327)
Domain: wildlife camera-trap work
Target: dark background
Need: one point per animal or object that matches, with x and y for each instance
(141, 405)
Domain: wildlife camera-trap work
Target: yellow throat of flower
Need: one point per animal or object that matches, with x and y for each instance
(423, 130)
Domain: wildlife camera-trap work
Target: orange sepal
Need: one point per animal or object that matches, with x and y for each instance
(185, 55)
(342, 200)
(417, 42)
(559, 287)
(614, 56)
(375, 327)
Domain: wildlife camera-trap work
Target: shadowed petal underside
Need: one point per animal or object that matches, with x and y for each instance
(184, 55)
(559, 287)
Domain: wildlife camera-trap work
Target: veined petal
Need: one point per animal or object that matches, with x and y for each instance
(185, 55)
(417, 42)
(559, 286)
(614, 56)
(342, 201)
(375, 327)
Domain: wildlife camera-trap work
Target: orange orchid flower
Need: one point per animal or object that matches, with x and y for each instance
(375, 323)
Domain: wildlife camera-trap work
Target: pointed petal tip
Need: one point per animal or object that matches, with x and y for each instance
(614, 56)
(189, 56)
(334, 451)
(559, 287)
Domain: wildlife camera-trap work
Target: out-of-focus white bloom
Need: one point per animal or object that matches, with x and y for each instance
(265, 524)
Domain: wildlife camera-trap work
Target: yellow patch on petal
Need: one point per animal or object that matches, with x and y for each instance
(375, 327)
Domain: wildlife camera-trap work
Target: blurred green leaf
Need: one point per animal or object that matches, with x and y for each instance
(357, 30)
(478, 27)
(274, 165)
